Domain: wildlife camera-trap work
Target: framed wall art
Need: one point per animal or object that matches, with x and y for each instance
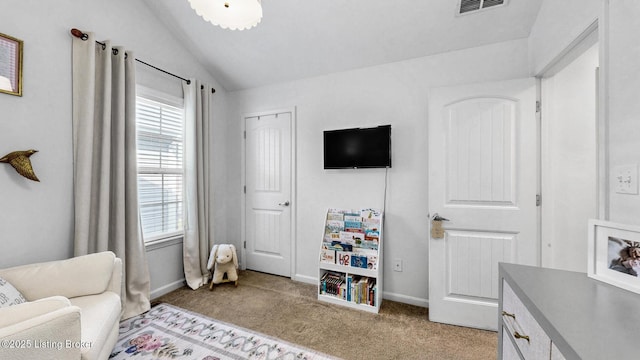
(614, 254)
(10, 65)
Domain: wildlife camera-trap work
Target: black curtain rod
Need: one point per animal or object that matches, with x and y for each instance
(83, 36)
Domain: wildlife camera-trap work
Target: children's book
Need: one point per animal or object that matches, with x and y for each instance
(328, 256)
(338, 246)
(371, 223)
(352, 238)
(359, 261)
(369, 213)
(369, 244)
(353, 225)
(343, 258)
(372, 262)
(371, 256)
(332, 237)
(372, 235)
(334, 226)
(354, 218)
(335, 216)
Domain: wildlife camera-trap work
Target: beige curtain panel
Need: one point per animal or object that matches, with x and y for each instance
(105, 169)
(198, 237)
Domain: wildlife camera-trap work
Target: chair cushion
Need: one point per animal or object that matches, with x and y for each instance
(99, 315)
(78, 276)
(9, 295)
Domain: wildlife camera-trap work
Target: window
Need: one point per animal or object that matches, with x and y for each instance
(159, 122)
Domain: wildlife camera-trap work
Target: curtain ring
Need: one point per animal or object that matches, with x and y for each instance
(79, 34)
(114, 51)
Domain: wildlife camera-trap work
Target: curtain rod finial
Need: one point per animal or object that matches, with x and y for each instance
(79, 34)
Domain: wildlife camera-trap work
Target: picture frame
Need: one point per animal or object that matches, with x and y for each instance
(614, 254)
(11, 50)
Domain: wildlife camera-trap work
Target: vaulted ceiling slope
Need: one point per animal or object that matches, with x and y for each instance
(304, 38)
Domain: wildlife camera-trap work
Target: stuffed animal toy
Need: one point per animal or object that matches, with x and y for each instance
(223, 260)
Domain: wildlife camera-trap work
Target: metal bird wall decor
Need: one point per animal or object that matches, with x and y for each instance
(20, 161)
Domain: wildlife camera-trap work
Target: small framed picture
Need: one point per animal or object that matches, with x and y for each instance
(614, 254)
(10, 65)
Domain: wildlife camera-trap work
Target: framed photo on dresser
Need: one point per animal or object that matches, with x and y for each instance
(614, 254)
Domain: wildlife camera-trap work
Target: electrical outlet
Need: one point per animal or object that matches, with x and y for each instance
(397, 265)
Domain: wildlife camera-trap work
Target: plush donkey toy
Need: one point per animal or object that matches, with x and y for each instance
(223, 260)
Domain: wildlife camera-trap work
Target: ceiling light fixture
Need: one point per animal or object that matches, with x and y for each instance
(229, 14)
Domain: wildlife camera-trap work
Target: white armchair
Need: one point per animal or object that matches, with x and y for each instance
(73, 309)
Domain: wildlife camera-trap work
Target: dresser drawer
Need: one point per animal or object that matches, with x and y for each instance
(509, 351)
(531, 340)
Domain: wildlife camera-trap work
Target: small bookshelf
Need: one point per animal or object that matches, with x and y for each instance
(350, 264)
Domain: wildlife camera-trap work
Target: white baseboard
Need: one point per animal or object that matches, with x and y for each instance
(406, 299)
(305, 279)
(167, 288)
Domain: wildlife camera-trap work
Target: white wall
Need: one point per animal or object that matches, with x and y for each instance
(624, 104)
(558, 24)
(393, 94)
(37, 218)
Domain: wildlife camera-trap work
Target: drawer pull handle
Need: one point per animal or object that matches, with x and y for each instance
(504, 313)
(518, 336)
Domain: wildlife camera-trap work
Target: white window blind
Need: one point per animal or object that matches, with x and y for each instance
(160, 167)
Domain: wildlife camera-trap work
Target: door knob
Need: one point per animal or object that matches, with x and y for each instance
(437, 217)
(286, 203)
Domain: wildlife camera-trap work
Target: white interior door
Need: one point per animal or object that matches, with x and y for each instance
(482, 177)
(268, 193)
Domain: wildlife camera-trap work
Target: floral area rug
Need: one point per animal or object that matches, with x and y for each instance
(169, 332)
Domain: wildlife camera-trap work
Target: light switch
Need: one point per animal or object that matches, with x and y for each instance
(625, 179)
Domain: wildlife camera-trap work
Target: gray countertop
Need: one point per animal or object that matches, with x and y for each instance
(585, 318)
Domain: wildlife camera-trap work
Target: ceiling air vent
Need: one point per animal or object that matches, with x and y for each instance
(467, 6)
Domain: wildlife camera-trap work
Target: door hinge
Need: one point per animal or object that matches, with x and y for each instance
(538, 200)
(245, 134)
(538, 106)
(245, 189)
(245, 244)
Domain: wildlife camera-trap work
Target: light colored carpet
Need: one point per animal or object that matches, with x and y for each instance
(290, 311)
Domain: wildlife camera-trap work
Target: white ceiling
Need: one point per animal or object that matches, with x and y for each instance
(303, 38)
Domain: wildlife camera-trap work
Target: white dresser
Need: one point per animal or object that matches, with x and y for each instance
(555, 314)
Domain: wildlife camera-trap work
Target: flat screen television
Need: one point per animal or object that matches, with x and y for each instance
(358, 148)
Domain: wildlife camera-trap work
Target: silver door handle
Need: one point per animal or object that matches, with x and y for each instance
(437, 217)
(286, 203)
